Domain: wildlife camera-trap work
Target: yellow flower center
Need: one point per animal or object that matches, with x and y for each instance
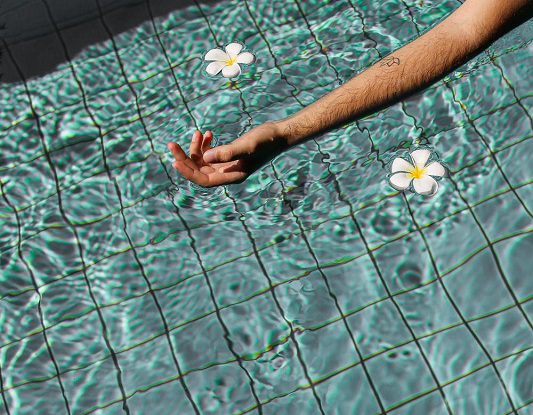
(417, 172)
(231, 61)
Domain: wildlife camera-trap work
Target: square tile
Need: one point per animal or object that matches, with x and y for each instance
(430, 404)
(19, 280)
(52, 254)
(461, 228)
(25, 361)
(477, 393)
(162, 266)
(502, 216)
(517, 375)
(27, 132)
(512, 254)
(387, 329)
(34, 182)
(478, 287)
(303, 401)
(108, 229)
(316, 349)
(427, 309)
(116, 278)
(513, 162)
(511, 123)
(160, 397)
(126, 328)
(155, 354)
(400, 377)
(405, 264)
(221, 389)
(188, 300)
(453, 352)
(12, 309)
(44, 395)
(70, 172)
(356, 284)
(92, 386)
(338, 232)
(200, 351)
(128, 149)
(91, 199)
(255, 325)
(80, 341)
(337, 397)
(504, 333)
(65, 299)
(238, 281)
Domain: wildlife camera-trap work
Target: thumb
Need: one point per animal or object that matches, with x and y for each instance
(228, 152)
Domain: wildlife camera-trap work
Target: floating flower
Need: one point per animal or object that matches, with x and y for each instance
(228, 61)
(417, 173)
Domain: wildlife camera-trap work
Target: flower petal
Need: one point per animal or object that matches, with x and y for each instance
(420, 157)
(400, 181)
(435, 169)
(231, 70)
(233, 49)
(426, 186)
(215, 67)
(399, 164)
(245, 57)
(216, 55)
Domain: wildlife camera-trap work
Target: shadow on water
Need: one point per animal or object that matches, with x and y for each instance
(32, 40)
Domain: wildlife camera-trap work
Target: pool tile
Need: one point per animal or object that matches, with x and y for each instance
(405, 264)
(303, 401)
(11, 308)
(65, 299)
(128, 331)
(92, 386)
(513, 254)
(51, 254)
(278, 371)
(337, 397)
(453, 352)
(430, 404)
(510, 160)
(400, 377)
(516, 373)
(268, 328)
(377, 328)
(155, 354)
(41, 395)
(77, 342)
(504, 333)
(477, 392)
(201, 344)
(427, 309)
(316, 344)
(221, 389)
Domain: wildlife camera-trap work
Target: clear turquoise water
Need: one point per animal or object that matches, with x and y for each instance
(313, 287)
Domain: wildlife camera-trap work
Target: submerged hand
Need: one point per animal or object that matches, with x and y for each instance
(228, 163)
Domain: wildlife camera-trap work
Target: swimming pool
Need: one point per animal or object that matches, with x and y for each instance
(313, 287)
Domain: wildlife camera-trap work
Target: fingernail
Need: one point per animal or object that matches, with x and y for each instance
(209, 156)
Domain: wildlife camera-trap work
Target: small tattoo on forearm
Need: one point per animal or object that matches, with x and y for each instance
(389, 61)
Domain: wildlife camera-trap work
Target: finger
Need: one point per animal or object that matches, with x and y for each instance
(228, 152)
(195, 150)
(177, 151)
(208, 136)
(190, 173)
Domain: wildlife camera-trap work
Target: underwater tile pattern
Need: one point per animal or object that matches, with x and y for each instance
(311, 288)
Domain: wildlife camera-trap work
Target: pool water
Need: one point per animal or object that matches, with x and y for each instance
(311, 288)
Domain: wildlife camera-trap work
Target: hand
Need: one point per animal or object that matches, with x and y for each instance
(229, 163)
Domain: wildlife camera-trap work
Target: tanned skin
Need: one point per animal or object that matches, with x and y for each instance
(471, 28)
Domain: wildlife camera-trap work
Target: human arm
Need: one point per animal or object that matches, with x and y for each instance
(468, 30)
(463, 34)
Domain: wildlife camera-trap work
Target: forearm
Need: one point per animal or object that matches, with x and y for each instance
(398, 75)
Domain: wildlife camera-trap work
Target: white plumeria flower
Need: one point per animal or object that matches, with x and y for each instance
(417, 172)
(228, 61)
